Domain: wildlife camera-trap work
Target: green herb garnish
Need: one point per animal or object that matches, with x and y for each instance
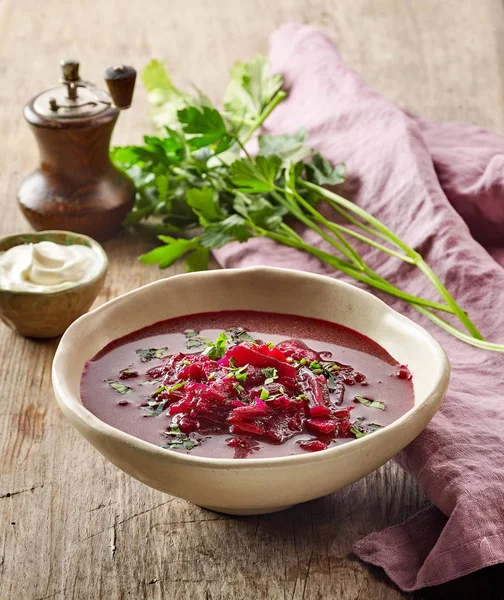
(331, 384)
(359, 431)
(154, 406)
(374, 427)
(356, 428)
(264, 394)
(151, 353)
(238, 335)
(271, 374)
(194, 339)
(240, 373)
(216, 350)
(119, 387)
(370, 403)
(180, 440)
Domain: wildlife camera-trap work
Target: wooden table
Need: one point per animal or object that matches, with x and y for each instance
(72, 525)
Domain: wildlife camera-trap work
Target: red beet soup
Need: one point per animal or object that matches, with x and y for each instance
(240, 384)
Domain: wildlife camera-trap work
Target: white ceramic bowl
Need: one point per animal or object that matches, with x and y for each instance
(251, 486)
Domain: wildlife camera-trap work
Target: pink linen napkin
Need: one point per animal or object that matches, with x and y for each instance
(412, 174)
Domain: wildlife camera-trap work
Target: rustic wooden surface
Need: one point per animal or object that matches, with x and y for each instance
(72, 525)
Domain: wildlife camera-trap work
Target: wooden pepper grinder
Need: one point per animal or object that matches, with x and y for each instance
(76, 187)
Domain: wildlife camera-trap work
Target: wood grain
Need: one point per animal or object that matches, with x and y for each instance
(72, 525)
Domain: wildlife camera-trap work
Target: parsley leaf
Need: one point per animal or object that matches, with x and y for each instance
(370, 403)
(150, 354)
(270, 373)
(264, 394)
(255, 176)
(374, 427)
(289, 148)
(179, 439)
(197, 260)
(232, 228)
(194, 339)
(216, 350)
(320, 171)
(119, 387)
(238, 334)
(172, 250)
(356, 428)
(250, 89)
(206, 124)
(205, 204)
(166, 100)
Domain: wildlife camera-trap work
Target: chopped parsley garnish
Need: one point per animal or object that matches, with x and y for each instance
(271, 374)
(236, 335)
(370, 403)
(119, 387)
(239, 373)
(194, 339)
(150, 354)
(359, 431)
(374, 427)
(331, 384)
(264, 394)
(154, 406)
(356, 428)
(179, 439)
(216, 350)
(235, 371)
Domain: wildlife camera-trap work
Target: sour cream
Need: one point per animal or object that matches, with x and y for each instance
(47, 267)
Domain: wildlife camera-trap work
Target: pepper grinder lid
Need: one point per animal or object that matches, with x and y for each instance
(76, 98)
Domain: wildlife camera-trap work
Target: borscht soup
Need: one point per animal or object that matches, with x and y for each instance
(245, 384)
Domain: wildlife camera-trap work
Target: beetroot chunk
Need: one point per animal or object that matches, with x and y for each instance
(296, 349)
(313, 445)
(244, 354)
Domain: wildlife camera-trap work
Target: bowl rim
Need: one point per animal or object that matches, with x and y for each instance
(40, 234)
(78, 410)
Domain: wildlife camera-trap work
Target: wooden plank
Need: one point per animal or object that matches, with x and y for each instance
(72, 525)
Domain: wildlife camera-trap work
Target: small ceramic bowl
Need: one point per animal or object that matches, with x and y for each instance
(48, 314)
(251, 486)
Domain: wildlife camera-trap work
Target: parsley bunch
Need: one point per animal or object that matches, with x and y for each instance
(199, 187)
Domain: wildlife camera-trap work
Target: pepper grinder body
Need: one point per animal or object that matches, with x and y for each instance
(76, 187)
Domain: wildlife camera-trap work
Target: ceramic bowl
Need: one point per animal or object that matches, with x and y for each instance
(48, 314)
(251, 486)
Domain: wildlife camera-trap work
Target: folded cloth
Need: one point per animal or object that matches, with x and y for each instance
(402, 169)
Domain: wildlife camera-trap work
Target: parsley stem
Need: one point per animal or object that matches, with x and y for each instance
(350, 270)
(352, 253)
(269, 108)
(478, 343)
(295, 210)
(413, 254)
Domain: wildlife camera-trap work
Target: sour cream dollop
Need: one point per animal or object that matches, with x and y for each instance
(47, 267)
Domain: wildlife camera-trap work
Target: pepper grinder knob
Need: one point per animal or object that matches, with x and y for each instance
(70, 70)
(120, 81)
